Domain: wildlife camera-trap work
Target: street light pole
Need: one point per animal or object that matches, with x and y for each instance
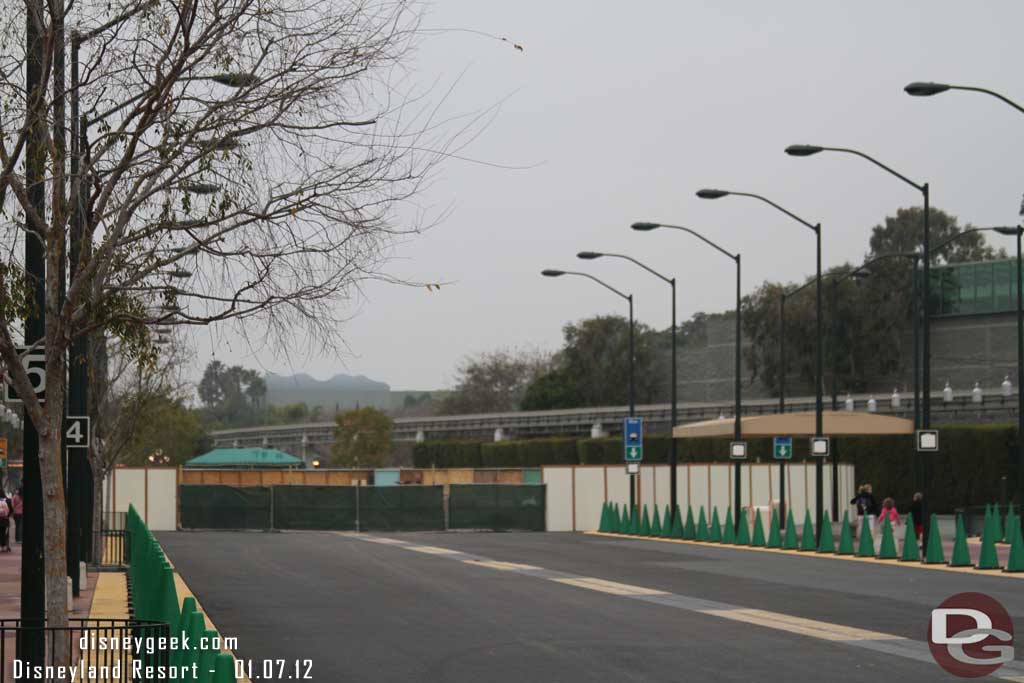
(818, 380)
(646, 226)
(550, 272)
(782, 404)
(672, 456)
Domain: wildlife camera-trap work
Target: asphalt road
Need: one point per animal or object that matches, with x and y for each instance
(451, 611)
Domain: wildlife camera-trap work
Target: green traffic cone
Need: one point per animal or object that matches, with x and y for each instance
(645, 523)
(774, 535)
(1011, 524)
(988, 519)
(656, 523)
(634, 521)
(624, 521)
(866, 546)
(790, 541)
(689, 531)
(729, 530)
(989, 558)
(911, 553)
(887, 550)
(702, 526)
(677, 524)
(845, 536)
(961, 555)
(826, 541)
(934, 553)
(742, 531)
(757, 540)
(807, 537)
(1015, 563)
(666, 522)
(997, 524)
(616, 520)
(715, 532)
(603, 524)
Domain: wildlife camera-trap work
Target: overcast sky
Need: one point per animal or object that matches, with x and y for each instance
(621, 111)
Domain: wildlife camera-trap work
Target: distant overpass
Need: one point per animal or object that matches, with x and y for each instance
(602, 421)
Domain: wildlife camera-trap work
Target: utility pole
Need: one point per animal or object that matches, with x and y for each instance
(33, 610)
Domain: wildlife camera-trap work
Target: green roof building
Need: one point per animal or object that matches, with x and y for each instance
(245, 458)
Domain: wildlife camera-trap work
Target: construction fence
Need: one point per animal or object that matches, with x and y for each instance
(499, 507)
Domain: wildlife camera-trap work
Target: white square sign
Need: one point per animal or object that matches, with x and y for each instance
(820, 446)
(928, 440)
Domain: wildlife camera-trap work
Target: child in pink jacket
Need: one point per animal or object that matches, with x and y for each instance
(889, 512)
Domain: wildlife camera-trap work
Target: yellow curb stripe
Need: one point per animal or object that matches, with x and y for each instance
(185, 592)
(503, 566)
(608, 586)
(807, 627)
(827, 556)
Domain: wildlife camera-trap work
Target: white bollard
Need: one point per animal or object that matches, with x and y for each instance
(83, 576)
(71, 601)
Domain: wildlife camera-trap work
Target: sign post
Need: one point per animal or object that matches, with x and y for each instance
(782, 448)
(633, 454)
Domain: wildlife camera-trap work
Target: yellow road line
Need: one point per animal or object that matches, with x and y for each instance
(386, 541)
(432, 550)
(183, 592)
(828, 556)
(808, 627)
(504, 566)
(608, 586)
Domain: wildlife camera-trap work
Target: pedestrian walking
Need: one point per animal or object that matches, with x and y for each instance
(18, 511)
(917, 511)
(889, 512)
(5, 523)
(866, 506)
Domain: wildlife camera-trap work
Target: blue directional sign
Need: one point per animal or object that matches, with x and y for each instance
(633, 439)
(782, 448)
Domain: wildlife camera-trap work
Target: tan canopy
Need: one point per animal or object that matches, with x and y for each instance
(834, 423)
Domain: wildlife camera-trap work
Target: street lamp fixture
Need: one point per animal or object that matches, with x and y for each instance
(672, 456)
(200, 188)
(921, 89)
(646, 226)
(552, 272)
(803, 150)
(819, 477)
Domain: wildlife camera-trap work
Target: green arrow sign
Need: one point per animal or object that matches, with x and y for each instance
(634, 453)
(782, 448)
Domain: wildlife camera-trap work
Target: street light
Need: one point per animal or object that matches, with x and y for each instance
(922, 89)
(551, 272)
(708, 193)
(808, 150)
(672, 457)
(644, 226)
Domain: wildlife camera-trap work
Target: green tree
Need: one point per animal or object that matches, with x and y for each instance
(232, 396)
(169, 429)
(872, 314)
(362, 437)
(592, 368)
(494, 382)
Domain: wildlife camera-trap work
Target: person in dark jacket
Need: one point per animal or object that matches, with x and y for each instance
(916, 505)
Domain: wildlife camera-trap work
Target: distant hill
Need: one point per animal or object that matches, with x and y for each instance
(341, 392)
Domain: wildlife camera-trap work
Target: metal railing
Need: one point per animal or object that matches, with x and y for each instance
(114, 546)
(103, 650)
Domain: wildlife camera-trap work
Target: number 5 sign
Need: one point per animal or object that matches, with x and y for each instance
(77, 434)
(34, 362)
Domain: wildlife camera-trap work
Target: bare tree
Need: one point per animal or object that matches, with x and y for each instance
(243, 162)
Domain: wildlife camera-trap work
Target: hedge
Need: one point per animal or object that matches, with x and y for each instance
(966, 471)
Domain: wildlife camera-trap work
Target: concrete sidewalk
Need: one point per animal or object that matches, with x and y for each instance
(10, 587)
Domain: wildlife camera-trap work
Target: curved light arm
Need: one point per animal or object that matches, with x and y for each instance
(627, 297)
(792, 215)
(702, 238)
(649, 270)
(879, 164)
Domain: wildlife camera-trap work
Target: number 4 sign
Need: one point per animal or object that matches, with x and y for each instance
(77, 434)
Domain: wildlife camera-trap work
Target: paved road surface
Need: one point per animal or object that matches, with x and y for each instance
(463, 607)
